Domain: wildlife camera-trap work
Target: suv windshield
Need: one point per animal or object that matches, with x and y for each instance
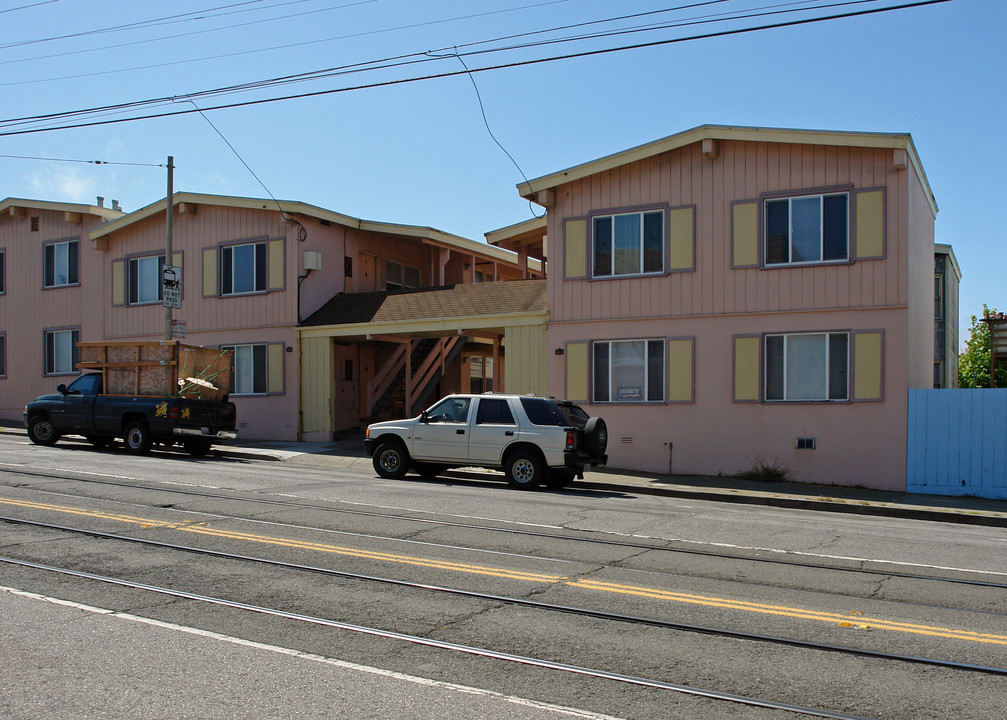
(546, 411)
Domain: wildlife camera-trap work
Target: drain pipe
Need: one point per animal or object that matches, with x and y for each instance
(671, 448)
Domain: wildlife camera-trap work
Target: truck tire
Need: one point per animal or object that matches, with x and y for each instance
(390, 460)
(41, 431)
(138, 438)
(524, 469)
(197, 447)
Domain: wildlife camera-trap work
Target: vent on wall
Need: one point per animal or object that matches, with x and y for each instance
(34, 223)
(805, 443)
(312, 260)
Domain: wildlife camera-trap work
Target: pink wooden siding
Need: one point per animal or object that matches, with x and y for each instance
(743, 171)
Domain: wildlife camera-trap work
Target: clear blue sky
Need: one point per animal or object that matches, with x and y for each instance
(419, 153)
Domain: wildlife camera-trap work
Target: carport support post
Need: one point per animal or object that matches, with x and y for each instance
(168, 254)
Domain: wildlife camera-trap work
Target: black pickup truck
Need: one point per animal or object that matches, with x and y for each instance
(139, 421)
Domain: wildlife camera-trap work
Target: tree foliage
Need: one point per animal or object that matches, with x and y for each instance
(974, 362)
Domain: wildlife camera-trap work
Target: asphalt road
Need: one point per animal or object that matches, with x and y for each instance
(811, 577)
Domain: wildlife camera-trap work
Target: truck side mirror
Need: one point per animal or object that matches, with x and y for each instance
(61, 389)
(423, 417)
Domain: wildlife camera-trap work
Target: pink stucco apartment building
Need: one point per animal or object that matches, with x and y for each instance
(252, 270)
(730, 296)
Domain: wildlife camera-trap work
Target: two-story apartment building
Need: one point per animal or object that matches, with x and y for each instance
(728, 296)
(252, 270)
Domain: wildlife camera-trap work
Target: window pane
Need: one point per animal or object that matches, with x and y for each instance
(243, 371)
(134, 282)
(806, 224)
(72, 262)
(777, 231)
(601, 391)
(655, 370)
(834, 222)
(627, 244)
(61, 269)
(806, 367)
(603, 246)
(50, 265)
(653, 242)
(3, 354)
(149, 280)
(774, 367)
(411, 277)
(260, 266)
(629, 370)
(259, 371)
(243, 268)
(838, 362)
(226, 271)
(63, 351)
(393, 274)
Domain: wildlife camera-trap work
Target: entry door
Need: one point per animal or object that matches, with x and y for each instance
(368, 281)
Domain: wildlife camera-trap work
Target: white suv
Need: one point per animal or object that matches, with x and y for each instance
(533, 439)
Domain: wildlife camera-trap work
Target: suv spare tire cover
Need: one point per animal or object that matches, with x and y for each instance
(596, 437)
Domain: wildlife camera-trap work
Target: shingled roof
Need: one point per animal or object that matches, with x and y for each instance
(465, 300)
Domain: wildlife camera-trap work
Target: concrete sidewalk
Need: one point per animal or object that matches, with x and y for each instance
(348, 451)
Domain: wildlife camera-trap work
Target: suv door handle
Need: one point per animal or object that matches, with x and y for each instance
(459, 432)
(509, 433)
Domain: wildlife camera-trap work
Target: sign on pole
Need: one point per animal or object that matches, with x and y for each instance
(171, 287)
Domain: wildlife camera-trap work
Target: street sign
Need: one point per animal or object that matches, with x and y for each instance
(171, 287)
(178, 329)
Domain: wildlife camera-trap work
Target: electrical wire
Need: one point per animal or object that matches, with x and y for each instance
(522, 63)
(28, 7)
(386, 63)
(90, 162)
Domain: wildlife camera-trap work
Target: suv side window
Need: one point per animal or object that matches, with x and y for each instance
(542, 411)
(452, 409)
(494, 411)
(85, 385)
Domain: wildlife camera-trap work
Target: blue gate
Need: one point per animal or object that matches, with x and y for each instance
(957, 443)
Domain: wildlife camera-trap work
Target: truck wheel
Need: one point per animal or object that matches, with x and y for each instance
(390, 460)
(198, 447)
(524, 469)
(138, 438)
(41, 431)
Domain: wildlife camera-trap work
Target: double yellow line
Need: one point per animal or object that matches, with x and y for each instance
(853, 620)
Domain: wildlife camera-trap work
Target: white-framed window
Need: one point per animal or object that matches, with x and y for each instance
(807, 229)
(243, 268)
(629, 371)
(807, 367)
(248, 370)
(628, 244)
(399, 276)
(61, 353)
(144, 276)
(61, 260)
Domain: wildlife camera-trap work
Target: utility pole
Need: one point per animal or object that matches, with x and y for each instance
(168, 254)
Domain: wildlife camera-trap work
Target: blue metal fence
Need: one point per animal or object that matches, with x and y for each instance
(957, 443)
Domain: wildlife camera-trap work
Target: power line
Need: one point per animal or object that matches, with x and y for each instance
(401, 60)
(28, 7)
(522, 63)
(89, 162)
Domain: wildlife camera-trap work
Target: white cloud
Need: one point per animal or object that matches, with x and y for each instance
(61, 184)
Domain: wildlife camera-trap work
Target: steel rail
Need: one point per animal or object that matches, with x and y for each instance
(523, 602)
(455, 647)
(525, 533)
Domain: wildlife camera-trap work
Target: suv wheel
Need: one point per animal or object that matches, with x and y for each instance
(390, 461)
(524, 469)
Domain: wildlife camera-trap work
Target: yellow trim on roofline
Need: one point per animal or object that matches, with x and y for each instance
(299, 208)
(102, 212)
(895, 141)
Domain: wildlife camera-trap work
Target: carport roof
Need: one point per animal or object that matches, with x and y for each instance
(431, 304)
